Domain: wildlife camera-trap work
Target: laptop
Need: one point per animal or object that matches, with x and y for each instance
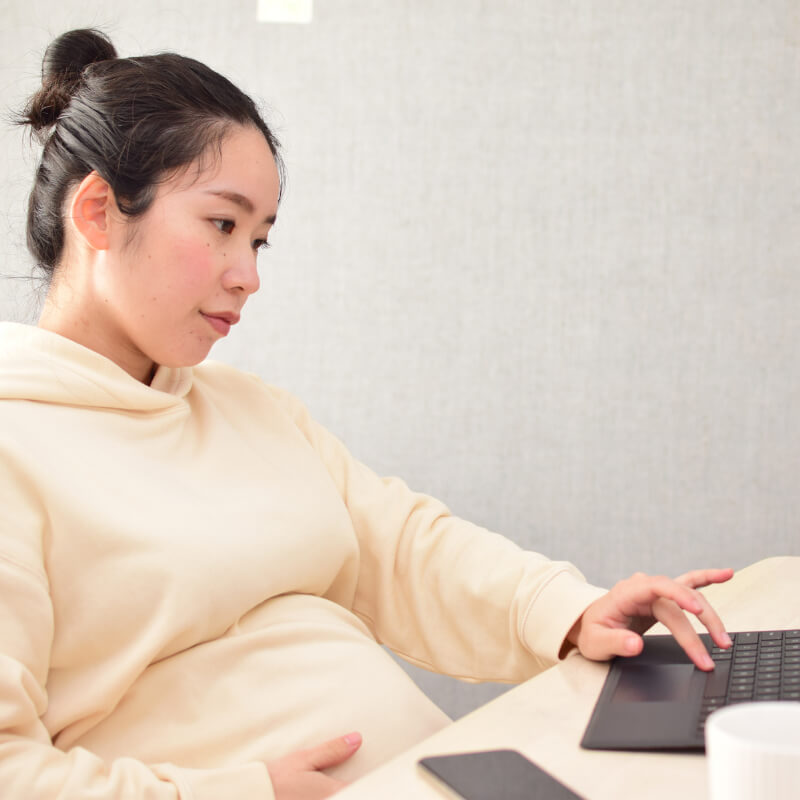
(659, 700)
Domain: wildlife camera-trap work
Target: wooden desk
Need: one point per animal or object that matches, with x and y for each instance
(545, 717)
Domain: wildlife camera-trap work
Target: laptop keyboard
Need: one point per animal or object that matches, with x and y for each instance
(761, 665)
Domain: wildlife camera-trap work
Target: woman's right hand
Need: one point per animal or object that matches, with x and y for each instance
(298, 776)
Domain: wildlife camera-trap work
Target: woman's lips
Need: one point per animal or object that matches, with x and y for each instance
(221, 323)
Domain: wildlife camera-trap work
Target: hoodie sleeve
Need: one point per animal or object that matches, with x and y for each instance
(441, 592)
(30, 766)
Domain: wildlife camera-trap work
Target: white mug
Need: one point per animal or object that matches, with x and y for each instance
(753, 752)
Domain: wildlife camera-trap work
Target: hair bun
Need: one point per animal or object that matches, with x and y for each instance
(69, 54)
(62, 66)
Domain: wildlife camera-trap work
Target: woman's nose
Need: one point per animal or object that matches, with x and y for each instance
(243, 274)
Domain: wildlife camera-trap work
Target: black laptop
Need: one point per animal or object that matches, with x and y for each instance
(659, 700)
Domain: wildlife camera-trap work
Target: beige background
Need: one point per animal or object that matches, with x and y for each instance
(539, 258)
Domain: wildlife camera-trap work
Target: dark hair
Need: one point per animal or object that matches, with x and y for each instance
(133, 120)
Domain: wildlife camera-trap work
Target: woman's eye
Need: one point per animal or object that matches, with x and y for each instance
(260, 244)
(224, 225)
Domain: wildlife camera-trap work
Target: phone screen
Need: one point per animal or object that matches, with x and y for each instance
(494, 775)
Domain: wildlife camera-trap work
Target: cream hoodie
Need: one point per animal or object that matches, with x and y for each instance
(195, 579)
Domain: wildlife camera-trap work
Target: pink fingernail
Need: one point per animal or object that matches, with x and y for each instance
(353, 739)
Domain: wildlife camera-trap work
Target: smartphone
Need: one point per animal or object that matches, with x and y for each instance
(493, 775)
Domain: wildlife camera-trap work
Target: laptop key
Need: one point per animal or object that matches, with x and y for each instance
(744, 672)
(771, 658)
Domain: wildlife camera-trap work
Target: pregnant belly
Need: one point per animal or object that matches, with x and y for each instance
(294, 672)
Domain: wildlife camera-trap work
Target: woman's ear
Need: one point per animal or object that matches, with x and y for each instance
(92, 209)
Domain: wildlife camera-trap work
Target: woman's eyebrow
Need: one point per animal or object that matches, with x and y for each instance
(241, 201)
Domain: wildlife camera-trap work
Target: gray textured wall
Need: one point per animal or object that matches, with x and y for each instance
(539, 257)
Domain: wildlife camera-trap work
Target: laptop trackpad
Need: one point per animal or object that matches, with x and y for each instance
(649, 702)
(653, 683)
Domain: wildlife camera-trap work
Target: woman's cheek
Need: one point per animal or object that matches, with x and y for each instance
(198, 263)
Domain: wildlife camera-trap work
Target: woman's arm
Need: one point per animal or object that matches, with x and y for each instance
(458, 599)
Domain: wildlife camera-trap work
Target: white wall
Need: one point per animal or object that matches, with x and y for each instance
(538, 258)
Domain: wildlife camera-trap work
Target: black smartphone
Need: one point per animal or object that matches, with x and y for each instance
(493, 775)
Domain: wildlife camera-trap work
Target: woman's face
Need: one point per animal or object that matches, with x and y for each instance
(177, 278)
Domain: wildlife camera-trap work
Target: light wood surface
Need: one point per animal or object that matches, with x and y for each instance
(545, 717)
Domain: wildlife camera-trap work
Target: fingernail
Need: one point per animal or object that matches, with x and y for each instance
(353, 739)
(726, 640)
(707, 662)
(631, 644)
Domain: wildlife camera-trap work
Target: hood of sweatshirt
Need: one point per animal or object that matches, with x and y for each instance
(39, 365)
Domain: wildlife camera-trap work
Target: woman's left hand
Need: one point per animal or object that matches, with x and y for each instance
(611, 626)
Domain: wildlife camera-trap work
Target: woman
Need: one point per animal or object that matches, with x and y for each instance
(195, 576)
